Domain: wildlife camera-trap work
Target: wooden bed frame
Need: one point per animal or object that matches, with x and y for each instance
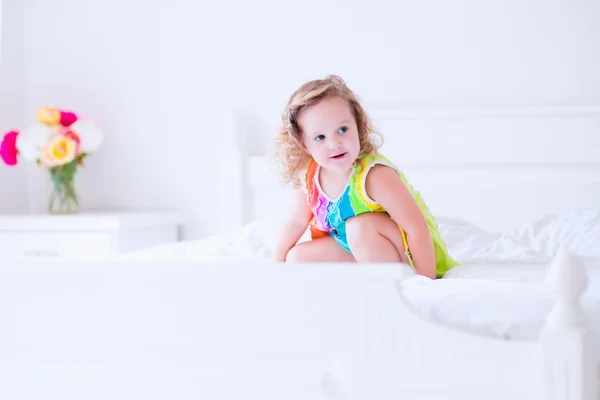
(175, 330)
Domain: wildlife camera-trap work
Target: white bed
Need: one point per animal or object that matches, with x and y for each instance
(214, 319)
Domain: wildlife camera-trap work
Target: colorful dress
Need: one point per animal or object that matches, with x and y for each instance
(330, 215)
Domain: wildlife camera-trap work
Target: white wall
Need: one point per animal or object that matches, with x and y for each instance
(13, 194)
(157, 76)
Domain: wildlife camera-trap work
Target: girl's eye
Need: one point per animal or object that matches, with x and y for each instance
(343, 129)
(320, 137)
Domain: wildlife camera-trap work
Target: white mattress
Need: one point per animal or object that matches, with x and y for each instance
(497, 290)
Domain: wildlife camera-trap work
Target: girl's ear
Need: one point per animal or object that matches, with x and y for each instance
(301, 141)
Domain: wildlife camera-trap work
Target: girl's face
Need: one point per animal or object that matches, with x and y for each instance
(330, 134)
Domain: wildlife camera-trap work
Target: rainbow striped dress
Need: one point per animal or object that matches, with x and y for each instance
(330, 215)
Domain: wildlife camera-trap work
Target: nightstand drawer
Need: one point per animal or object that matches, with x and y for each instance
(54, 244)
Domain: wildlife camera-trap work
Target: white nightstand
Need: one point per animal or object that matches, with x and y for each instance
(85, 235)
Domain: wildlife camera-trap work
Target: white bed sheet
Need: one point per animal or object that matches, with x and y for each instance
(497, 290)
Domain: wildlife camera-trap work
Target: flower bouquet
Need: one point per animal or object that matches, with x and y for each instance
(59, 141)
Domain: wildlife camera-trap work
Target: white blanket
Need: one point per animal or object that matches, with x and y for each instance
(506, 309)
(497, 290)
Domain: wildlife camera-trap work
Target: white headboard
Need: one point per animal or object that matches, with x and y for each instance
(497, 168)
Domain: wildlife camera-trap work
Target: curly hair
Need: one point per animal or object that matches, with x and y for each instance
(289, 153)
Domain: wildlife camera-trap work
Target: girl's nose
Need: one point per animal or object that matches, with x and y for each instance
(334, 144)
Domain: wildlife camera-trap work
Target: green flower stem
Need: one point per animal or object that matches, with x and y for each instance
(63, 197)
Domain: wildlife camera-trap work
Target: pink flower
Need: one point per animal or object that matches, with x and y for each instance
(67, 118)
(68, 133)
(8, 148)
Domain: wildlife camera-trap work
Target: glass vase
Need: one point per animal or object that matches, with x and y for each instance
(63, 194)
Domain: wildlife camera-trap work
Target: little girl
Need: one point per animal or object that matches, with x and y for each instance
(359, 206)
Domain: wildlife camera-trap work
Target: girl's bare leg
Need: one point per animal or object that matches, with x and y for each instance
(324, 249)
(375, 237)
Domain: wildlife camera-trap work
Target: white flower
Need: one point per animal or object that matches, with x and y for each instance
(30, 141)
(90, 135)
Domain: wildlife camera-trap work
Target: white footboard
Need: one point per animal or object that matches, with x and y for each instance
(231, 331)
(415, 358)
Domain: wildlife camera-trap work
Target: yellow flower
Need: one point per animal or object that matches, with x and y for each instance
(48, 116)
(59, 150)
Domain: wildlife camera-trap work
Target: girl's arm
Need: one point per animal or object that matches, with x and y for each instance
(294, 226)
(385, 186)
